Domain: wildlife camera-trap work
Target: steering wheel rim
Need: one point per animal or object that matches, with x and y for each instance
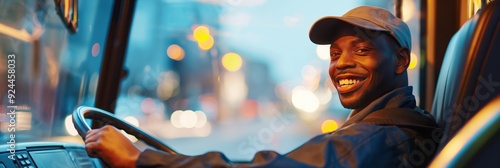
(83, 112)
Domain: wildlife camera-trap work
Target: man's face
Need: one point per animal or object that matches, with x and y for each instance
(362, 69)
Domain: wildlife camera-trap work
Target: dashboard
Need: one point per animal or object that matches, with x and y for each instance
(46, 155)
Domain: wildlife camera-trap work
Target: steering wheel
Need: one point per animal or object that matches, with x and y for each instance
(84, 112)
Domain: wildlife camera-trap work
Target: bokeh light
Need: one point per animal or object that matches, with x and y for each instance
(70, 128)
(201, 33)
(148, 105)
(207, 44)
(249, 108)
(96, 48)
(208, 103)
(304, 99)
(168, 83)
(129, 137)
(175, 119)
(201, 119)
(232, 62)
(175, 52)
(188, 119)
(233, 88)
(408, 10)
(323, 51)
(132, 120)
(413, 61)
(329, 126)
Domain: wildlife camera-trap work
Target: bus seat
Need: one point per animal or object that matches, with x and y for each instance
(470, 73)
(476, 144)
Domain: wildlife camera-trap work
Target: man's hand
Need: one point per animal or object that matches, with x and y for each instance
(109, 144)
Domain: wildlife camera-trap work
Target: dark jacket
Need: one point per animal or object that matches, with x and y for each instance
(377, 136)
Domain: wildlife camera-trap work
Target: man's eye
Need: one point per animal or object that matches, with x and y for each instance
(335, 54)
(362, 51)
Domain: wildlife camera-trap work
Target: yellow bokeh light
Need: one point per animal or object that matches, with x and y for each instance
(413, 61)
(207, 44)
(329, 126)
(201, 33)
(175, 52)
(232, 62)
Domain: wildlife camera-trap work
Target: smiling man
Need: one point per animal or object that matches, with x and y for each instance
(370, 54)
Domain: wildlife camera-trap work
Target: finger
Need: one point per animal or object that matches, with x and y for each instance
(90, 131)
(94, 131)
(107, 128)
(93, 149)
(92, 136)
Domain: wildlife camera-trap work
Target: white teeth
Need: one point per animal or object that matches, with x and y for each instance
(348, 82)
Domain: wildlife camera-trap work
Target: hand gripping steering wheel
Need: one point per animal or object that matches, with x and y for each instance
(83, 112)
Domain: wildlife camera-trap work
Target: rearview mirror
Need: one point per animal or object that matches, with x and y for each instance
(68, 11)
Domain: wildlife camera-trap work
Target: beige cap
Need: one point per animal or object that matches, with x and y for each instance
(368, 17)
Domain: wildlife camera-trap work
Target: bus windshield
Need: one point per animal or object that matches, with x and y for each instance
(55, 70)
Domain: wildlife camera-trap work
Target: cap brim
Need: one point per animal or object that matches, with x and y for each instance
(324, 30)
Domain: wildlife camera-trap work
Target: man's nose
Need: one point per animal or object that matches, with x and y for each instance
(345, 61)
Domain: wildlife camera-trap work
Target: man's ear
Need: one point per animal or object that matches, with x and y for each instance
(402, 60)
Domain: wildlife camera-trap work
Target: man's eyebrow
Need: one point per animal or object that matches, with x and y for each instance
(334, 45)
(354, 42)
(359, 40)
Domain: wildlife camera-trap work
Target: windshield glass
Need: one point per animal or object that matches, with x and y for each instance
(51, 71)
(235, 76)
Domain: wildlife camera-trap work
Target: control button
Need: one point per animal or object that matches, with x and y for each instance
(25, 155)
(28, 162)
(19, 156)
(31, 167)
(23, 163)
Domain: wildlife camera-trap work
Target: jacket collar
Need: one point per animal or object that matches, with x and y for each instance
(398, 98)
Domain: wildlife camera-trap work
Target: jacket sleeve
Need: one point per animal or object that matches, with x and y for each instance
(361, 145)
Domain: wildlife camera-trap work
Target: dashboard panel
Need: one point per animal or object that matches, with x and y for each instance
(46, 155)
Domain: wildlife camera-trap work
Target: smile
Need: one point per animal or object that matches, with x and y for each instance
(349, 84)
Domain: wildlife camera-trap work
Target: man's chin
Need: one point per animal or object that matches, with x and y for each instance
(351, 102)
(349, 105)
